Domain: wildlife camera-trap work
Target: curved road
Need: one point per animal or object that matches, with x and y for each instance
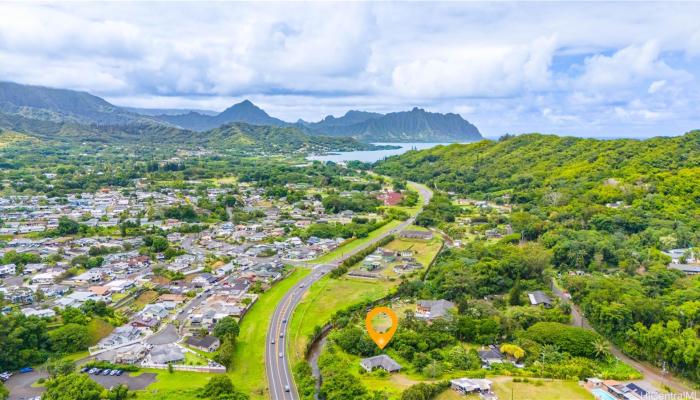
(279, 372)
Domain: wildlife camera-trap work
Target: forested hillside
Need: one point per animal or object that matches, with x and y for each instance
(603, 208)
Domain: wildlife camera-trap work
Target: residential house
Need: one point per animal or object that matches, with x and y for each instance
(8, 269)
(491, 355)
(538, 298)
(467, 386)
(433, 309)
(44, 313)
(207, 343)
(417, 235)
(167, 354)
(18, 295)
(120, 336)
(381, 361)
(390, 198)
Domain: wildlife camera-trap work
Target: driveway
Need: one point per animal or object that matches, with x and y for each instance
(20, 385)
(166, 336)
(139, 382)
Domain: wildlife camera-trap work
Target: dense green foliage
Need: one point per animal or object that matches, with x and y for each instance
(23, 341)
(592, 206)
(653, 317)
(220, 387)
(570, 339)
(424, 391)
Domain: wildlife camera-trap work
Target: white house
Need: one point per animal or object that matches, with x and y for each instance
(8, 269)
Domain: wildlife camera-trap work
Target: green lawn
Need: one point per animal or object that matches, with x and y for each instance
(179, 385)
(323, 299)
(506, 389)
(346, 248)
(98, 329)
(248, 372)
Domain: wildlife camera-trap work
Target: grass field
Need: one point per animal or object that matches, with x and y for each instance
(180, 385)
(144, 298)
(355, 243)
(506, 389)
(98, 329)
(450, 394)
(248, 372)
(323, 299)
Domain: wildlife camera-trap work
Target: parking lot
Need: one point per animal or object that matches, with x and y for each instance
(20, 385)
(133, 382)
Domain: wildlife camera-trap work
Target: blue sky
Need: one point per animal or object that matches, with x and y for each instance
(587, 69)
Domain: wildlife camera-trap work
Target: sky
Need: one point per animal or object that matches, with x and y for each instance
(586, 69)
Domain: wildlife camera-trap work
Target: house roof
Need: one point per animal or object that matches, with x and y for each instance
(438, 308)
(470, 385)
(491, 354)
(538, 297)
(381, 361)
(206, 341)
(166, 353)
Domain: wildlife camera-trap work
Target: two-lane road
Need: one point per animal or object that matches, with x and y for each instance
(279, 372)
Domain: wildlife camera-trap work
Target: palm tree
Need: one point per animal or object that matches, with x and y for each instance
(601, 349)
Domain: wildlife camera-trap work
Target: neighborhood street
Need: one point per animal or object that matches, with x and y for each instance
(279, 372)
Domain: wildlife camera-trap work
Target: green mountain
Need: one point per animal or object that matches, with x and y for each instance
(244, 111)
(416, 125)
(61, 105)
(241, 136)
(275, 139)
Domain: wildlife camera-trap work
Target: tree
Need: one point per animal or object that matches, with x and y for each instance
(72, 387)
(58, 367)
(226, 326)
(119, 392)
(513, 350)
(224, 355)
(220, 387)
(4, 393)
(69, 338)
(67, 226)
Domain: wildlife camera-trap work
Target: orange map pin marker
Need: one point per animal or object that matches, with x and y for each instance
(381, 339)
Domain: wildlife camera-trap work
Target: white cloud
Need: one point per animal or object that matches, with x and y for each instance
(478, 71)
(565, 67)
(629, 66)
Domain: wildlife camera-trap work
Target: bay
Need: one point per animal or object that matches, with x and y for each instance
(372, 156)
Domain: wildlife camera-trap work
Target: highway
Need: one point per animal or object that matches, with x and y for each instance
(279, 372)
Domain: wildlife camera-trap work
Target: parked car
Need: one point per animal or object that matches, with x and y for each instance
(5, 376)
(84, 370)
(106, 372)
(119, 372)
(25, 370)
(114, 372)
(97, 371)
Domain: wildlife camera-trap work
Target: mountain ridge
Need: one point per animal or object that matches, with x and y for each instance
(78, 107)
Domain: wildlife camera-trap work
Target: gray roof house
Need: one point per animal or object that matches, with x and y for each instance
(166, 354)
(538, 298)
(206, 343)
(467, 385)
(381, 361)
(433, 309)
(491, 356)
